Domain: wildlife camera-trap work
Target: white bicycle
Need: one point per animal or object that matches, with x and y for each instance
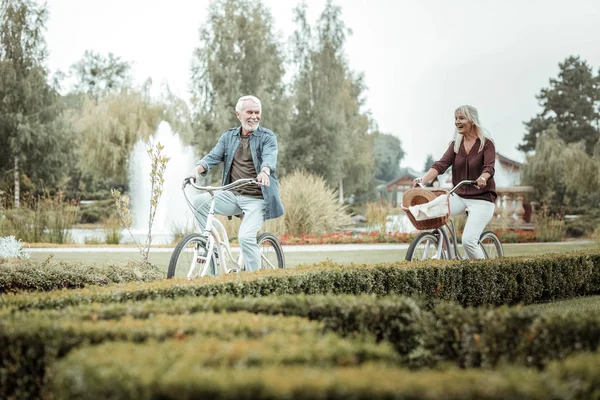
(440, 240)
(209, 252)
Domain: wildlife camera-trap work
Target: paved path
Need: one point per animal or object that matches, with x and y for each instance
(287, 248)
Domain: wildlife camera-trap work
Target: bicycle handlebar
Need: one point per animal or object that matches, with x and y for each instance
(459, 184)
(240, 182)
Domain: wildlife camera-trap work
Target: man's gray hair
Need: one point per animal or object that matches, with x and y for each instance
(240, 102)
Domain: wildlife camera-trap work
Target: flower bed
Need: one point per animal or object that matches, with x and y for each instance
(348, 237)
(506, 236)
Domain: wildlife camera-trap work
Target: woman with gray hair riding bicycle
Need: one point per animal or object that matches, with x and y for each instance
(472, 155)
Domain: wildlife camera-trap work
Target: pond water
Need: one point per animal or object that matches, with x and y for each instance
(80, 236)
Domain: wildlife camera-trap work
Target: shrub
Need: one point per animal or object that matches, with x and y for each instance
(112, 231)
(97, 211)
(377, 217)
(29, 275)
(11, 248)
(500, 281)
(549, 227)
(582, 225)
(311, 207)
(45, 218)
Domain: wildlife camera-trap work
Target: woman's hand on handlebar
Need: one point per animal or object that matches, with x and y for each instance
(418, 182)
(481, 182)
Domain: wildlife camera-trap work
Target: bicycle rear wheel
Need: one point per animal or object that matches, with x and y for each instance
(491, 245)
(424, 247)
(271, 252)
(190, 255)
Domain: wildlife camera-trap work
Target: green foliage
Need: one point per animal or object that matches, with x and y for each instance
(428, 162)
(549, 227)
(112, 231)
(29, 275)
(97, 211)
(376, 215)
(97, 75)
(111, 378)
(571, 105)
(388, 154)
(562, 174)
(518, 280)
(582, 225)
(108, 130)
(32, 131)
(311, 207)
(238, 55)
(329, 132)
(45, 218)
(218, 333)
(41, 338)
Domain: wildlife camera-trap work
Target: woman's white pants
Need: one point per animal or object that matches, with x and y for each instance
(480, 213)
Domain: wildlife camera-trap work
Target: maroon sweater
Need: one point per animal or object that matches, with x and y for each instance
(470, 167)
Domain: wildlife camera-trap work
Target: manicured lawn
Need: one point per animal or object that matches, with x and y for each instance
(161, 256)
(579, 304)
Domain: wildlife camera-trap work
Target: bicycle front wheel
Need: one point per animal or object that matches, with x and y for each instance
(491, 245)
(424, 247)
(189, 258)
(271, 252)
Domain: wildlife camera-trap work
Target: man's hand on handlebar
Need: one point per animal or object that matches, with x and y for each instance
(198, 170)
(263, 178)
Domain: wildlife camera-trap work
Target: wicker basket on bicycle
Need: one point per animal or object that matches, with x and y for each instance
(416, 196)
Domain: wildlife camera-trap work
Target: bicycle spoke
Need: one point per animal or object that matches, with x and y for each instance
(271, 253)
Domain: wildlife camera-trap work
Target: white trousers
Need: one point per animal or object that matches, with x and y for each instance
(480, 213)
(228, 203)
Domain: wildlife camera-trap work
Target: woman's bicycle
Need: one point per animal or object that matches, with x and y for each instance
(209, 252)
(441, 241)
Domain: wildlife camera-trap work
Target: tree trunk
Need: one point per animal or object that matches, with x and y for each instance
(17, 182)
(341, 193)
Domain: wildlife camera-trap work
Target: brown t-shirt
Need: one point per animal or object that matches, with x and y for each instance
(470, 167)
(243, 168)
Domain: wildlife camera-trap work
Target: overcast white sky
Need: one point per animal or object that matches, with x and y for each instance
(421, 59)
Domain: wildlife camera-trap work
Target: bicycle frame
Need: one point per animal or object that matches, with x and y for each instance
(448, 231)
(216, 235)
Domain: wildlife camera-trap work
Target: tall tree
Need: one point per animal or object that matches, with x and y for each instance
(428, 162)
(387, 153)
(571, 104)
(238, 55)
(563, 175)
(329, 133)
(33, 137)
(96, 74)
(107, 131)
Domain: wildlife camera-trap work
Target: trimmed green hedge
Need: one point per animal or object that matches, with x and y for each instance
(469, 337)
(30, 342)
(138, 373)
(28, 275)
(480, 337)
(471, 283)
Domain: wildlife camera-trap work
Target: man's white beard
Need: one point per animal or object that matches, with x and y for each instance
(248, 128)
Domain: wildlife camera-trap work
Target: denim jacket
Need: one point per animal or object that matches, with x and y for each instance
(263, 146)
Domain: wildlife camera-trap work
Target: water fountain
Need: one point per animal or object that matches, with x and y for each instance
(173, 214)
